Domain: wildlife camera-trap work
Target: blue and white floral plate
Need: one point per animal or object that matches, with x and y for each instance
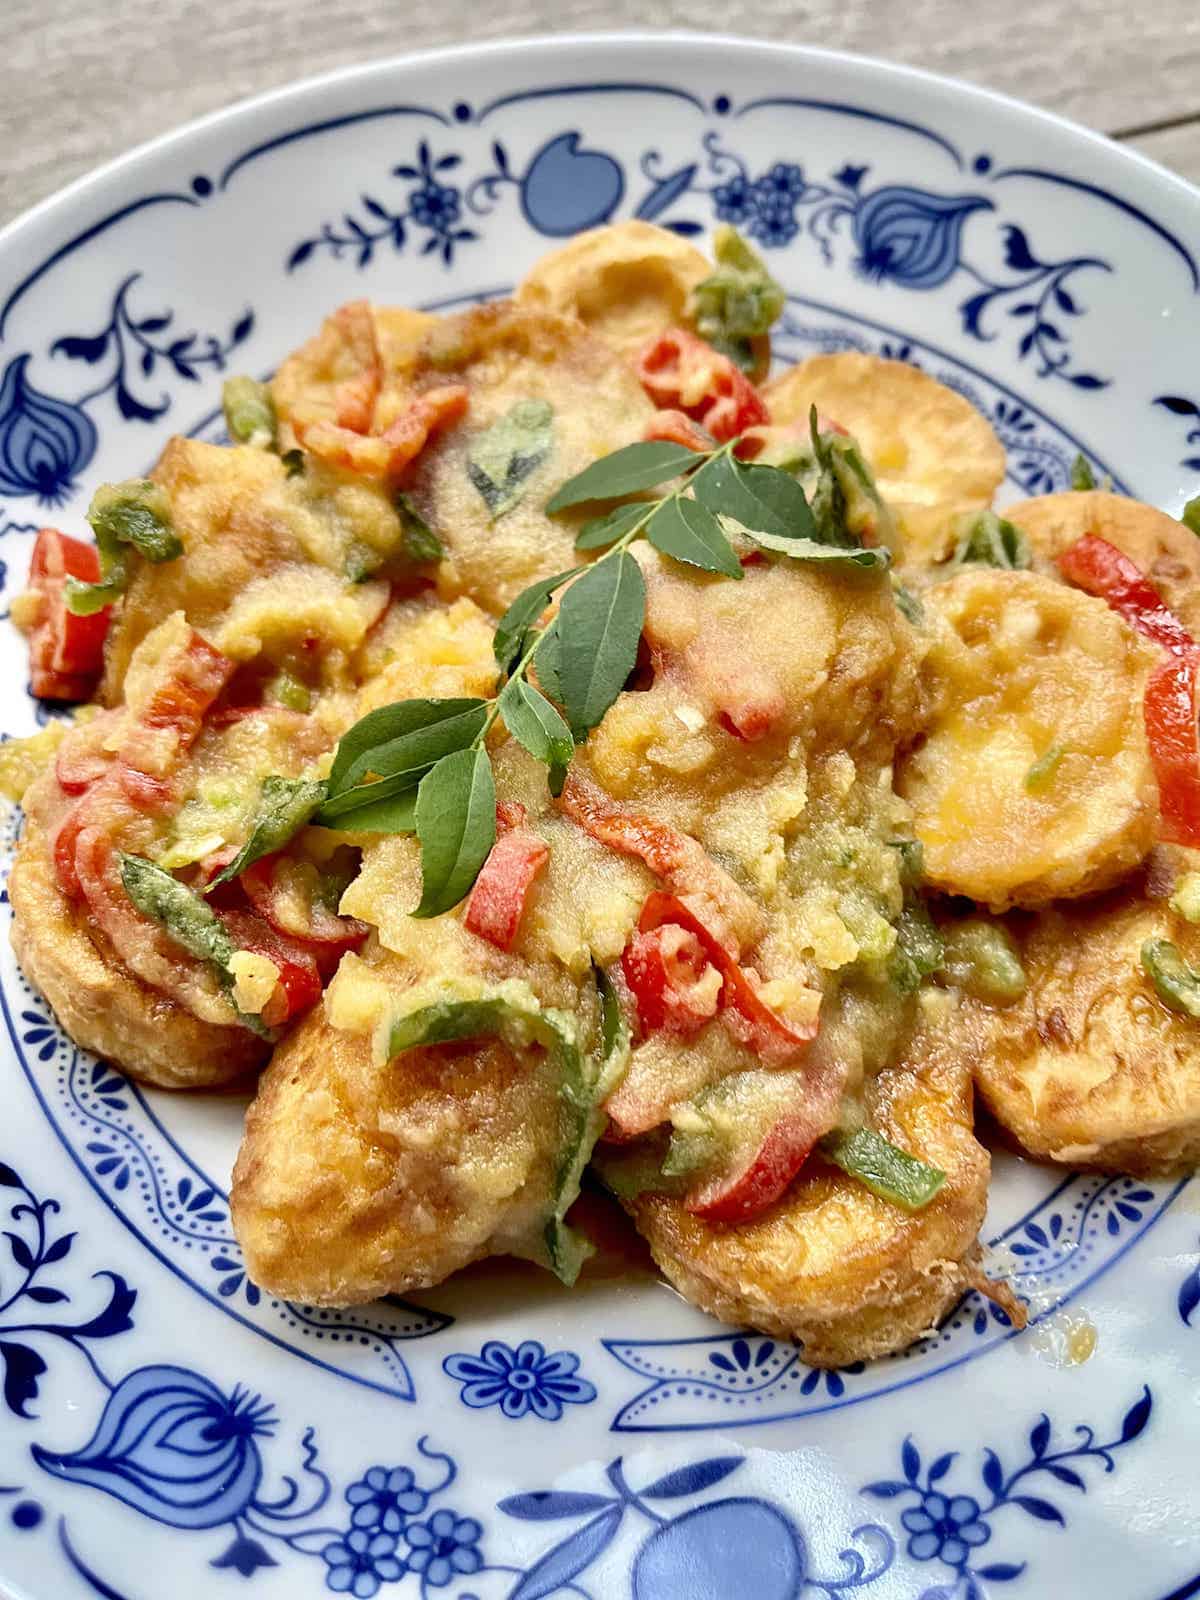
(166, 1430)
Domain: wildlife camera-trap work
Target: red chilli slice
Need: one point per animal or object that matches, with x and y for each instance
(66, 652)
(739, 1196)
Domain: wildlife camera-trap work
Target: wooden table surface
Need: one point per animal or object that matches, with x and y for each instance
(84, 80)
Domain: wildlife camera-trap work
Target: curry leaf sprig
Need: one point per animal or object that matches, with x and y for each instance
(423, 767)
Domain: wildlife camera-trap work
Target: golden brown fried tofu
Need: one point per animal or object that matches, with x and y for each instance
(1090, 1068)
(625, 283)
(100, 1003)
(357, 1179)
(508, 355)
(934, 456)
(1033, 780)
(848, 1275)
(1164, 549)
(266, 557)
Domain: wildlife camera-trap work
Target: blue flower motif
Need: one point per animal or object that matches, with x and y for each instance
(445, 1547)
(385, 1498)
(911, 237)
(733, 200)
(173, 1447)
(945, 1527)
(360, 1562)
(521, 1380)
(44, 443)
(435, 206)
(785, 181)
(774, 222)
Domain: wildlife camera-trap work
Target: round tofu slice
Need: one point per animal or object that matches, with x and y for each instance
(1165, 550)
(848, 1275)
(933, 454)
(625, 283)
(1033, 781)
(1090, 1068)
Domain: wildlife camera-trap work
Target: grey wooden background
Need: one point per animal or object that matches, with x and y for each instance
(83, 80)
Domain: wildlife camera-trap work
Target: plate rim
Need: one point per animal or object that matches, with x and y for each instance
(877, 68)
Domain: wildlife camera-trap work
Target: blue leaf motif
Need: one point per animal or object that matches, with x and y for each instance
(22, 1369)
(993, 1472)
(691, 1479)
(941, 1466)
(546, 1506)
(1017, 253)
(886, 1488)
(1041, 1509)
(665, 192)
(1002, 1571)
(44, 443)
(911, 237)
(1065, 1475)
(568, 1559)
(173, 1447)
(245, 1556)
(1189, 1296)
(910, 1460)
(1178, 405)
(1136, 1417)
(1039, 1438)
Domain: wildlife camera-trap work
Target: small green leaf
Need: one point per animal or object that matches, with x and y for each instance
(884, 1168)
(1082, 475)
(85, 599)
(534, 723)
(870, 557)
(625, 471)
(249, 412)
(688, 531)
(500, 460)
(766, 498)
(509, 642)
(380, 729)
(284, 806)
(456, 824)
(1191, 515)
(395, 813)
(547, 663)
(418, 541)
(599, 626)
(606, 530)
(1177, 983)
(993, 542)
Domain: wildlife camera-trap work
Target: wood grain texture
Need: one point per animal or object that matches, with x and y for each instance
(86, 79)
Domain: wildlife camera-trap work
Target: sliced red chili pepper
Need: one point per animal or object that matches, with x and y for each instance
(741, 1195)
(1170, 705)
(299, 984)
(327, 935)
(743, 1011)
(674, 427)
(387, 455)
(666, 970)
(1171, 731)
(497, 901)
(680, 372)
(1092, 564)
(66, 652)
(678, 859)
(78, 769)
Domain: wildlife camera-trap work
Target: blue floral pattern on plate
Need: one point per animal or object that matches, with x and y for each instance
(521, 1381)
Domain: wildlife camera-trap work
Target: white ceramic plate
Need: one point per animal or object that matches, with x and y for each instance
(168, 1431)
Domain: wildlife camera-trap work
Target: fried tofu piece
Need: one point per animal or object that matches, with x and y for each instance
(1090, 1068)
(357, 1179)
(934, 456)
(100, 1003)
(266, 557)
(506, 355)
(1165, 550)
(625, 283)
(1033, 780)
(848, 1275)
